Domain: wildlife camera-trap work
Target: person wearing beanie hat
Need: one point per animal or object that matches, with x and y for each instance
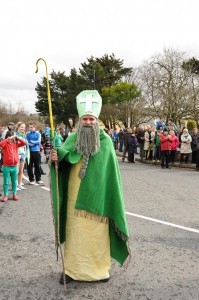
(92, 218)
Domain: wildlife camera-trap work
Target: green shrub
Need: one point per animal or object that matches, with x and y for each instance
(191, 125)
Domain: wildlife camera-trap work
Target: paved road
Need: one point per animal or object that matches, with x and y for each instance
(165, 259)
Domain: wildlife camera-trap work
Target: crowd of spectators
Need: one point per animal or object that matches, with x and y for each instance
(160, 142)
(23, 147)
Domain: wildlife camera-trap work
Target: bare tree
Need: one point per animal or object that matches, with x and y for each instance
(165, 85)
(7, 114)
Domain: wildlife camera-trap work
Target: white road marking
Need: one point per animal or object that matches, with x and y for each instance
(163, 222)
(25, 177)
(143, 217)
(45, 188)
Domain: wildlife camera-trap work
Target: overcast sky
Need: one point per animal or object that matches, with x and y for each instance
(67, 32)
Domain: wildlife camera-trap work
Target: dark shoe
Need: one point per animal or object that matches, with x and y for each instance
(67, 279)
(101, 280)
(104, 280)
(168, 167)
(162, 167)
(43, 173)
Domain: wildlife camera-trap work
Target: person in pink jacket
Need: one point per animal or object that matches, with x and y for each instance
(174, 146)
(165, 143)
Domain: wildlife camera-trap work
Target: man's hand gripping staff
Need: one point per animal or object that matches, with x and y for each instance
(54, 156)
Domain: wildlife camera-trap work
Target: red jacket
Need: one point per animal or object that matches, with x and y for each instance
(175, 143)
(10, 152)
(165, 142)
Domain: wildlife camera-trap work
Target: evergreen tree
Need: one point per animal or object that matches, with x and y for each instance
(103, 72)
(96, 73)
(192, 66)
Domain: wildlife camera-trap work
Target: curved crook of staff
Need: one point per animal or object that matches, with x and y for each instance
(58, 245)
(48, 94)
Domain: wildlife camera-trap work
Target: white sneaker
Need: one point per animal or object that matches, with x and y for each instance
(40, 182)
(32, 182)
(22, 183)
(18, 188)
(21, 187)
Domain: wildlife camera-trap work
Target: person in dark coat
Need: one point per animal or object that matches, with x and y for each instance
(194, 145)
(127, 134)
(140, 137)
(132, 147)
(197, 152)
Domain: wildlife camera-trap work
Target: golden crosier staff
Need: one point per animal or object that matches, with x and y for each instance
(56, 167)
(48, 94)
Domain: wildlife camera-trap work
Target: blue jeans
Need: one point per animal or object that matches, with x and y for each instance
(121, 145)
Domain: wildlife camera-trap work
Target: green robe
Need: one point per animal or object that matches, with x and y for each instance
(100, 192)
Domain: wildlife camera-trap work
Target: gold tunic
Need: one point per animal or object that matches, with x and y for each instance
(87, 246)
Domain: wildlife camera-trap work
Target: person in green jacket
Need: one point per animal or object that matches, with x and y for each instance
(58, 138)
(91, 212)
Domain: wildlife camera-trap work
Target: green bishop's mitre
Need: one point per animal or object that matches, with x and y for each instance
(89, 103)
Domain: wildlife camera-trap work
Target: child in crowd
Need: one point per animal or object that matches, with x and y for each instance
(10, 163)
(132, 147)
(58, 138)
(47, 148)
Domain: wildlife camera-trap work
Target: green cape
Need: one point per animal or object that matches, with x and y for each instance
(100, 191)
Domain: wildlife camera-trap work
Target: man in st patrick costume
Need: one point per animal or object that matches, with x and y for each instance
(92, 218)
